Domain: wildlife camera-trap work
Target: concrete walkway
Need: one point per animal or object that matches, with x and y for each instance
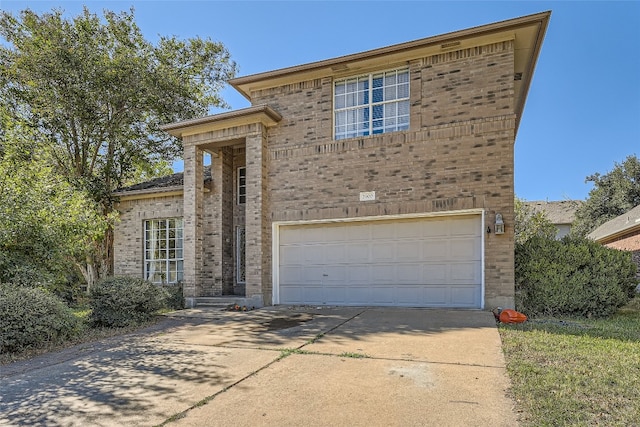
(279, 366)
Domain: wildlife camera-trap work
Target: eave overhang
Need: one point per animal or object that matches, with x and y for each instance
(527, 32)
(256, 114)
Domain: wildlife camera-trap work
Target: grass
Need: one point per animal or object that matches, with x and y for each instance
(576, 372)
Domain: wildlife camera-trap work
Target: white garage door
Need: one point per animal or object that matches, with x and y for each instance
(425, 262)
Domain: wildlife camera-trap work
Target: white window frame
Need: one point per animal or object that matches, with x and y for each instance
(163, 250)
(360, 109)
(241, 185)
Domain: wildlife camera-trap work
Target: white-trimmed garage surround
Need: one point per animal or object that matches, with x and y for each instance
(421, 260)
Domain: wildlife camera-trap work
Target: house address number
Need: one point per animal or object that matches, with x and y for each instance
(366, 196)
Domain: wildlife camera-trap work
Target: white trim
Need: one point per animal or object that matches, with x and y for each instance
(275, 240)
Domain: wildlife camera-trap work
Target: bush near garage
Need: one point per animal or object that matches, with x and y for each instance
(33, 318)
(572, 277)
(125, 301)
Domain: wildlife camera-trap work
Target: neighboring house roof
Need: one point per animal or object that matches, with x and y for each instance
(165, 184)
(618, 226)
(560, 212)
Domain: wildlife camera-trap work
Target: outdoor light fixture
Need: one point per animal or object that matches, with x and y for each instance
(499, 228)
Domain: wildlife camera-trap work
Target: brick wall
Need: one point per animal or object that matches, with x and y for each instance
(458, 153)
(129, 232)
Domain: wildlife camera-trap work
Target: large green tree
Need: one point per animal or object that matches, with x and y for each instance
(94, 92)
(47, 227)
(613, 194)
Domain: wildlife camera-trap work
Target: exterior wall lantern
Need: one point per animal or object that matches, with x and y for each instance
(499, 227)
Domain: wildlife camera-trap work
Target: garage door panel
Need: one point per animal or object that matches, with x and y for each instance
(312, 254)
(383, 231)
(408, 295)
(464, 296)
(359, 274)
(426, 262)
(335, 295)
(408, 274)
(336, 274)
(358, 232)
(464, 248)
(408, 251)
(334, 253)
(465, 227)
(383, 251)
(383, 295)
(434, 273)
(358, 295)
(464, 273)
(357, 252)
(290, 274)
(436, 295)
(291, 255)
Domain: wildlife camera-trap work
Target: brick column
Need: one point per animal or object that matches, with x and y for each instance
(220, 252)
(258, 233)
(193, 191)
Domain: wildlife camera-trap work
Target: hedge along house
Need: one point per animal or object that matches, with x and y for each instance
(380, 178)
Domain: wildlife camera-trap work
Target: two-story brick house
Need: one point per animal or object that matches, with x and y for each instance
(380, 178)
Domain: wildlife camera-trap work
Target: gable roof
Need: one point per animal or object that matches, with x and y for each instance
(173, 183)
(558, 212)
(618, 226)
(527, 32)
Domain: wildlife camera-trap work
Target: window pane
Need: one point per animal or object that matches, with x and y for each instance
(403, 108)
(378, 112)
(403, 76)
(377, 95)
(341, 101)
(389, 93)
(390, 79)
(403, 91)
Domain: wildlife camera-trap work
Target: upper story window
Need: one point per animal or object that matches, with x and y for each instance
(241, 193)
(163, 250)
(371, 104)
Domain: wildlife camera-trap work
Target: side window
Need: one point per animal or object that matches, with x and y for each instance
(241, 193)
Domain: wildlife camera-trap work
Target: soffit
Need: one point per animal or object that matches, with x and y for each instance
(256, 114)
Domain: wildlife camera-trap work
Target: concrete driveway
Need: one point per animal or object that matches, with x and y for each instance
(279, 366)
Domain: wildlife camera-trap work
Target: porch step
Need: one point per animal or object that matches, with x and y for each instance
(222, 302)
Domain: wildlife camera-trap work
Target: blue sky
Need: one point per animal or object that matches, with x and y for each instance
(583, 110)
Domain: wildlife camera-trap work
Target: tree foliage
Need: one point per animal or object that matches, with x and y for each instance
(93, 92)
(572, 277)
(47, 227)
(529, 223)
(613, 194)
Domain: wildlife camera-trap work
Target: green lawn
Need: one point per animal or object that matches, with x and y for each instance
(576, 372)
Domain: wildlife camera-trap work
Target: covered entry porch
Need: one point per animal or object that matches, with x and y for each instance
(230, 214)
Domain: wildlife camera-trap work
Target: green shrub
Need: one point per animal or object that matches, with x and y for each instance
(574, 277)
(173, 296)
(124, 301)
(33, 318)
